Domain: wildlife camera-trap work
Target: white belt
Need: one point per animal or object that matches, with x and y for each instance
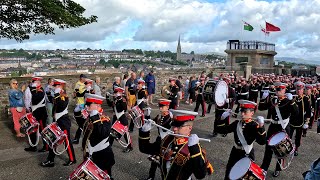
(39, 105)
(292, 90)
(254, 90)
(100, 146)
(286, 121)
(118, 115)
(139, 101)
(244, 93)
(60, 114)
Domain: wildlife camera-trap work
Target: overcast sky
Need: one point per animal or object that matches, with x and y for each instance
(204, 26)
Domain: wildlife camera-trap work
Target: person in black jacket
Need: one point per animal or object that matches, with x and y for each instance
(39, 111)
(287, 110)
(200, 98)
(97, 142)
(60, 111)
(173, 94)
(245, 132)
(164, 119)
(180, 157)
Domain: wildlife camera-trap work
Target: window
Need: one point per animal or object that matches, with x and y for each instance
(241, 59)
(264, 61)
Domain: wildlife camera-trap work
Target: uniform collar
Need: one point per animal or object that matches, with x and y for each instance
(181, 140)
(247, 120)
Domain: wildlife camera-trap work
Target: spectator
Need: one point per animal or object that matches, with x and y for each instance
(49, 90)
(16, 106)
(314, 172)
(141, 75)
(96, 86)
(186, 90)
(116, 83)
(131, 90)
(180, 86)
(124, 80)
(151, 86)
(192, 92)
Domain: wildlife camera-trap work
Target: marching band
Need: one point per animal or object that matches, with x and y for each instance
(292, 105)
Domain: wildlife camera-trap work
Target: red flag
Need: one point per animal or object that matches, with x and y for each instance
(271, 27)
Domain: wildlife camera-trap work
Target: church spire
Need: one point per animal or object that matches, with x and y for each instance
(179, 50)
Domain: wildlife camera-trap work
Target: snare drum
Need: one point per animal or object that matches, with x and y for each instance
(118, 131)
(246, 169)
(281, 144)
(88, 170)
(29, 123)
(54, 136)
(136, 115)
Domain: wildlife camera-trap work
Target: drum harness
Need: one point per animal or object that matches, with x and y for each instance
(245, 146)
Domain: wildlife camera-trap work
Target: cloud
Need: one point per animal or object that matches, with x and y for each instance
(204, 26)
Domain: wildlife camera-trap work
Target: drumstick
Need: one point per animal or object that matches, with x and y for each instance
(172, 133)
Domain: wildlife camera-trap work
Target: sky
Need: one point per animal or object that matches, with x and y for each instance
(204, 26)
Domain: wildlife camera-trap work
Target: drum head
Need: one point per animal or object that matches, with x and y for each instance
(240, 168)
(275, 139)
(221, 93)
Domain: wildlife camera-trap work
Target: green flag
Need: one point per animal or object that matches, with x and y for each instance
(247, 26)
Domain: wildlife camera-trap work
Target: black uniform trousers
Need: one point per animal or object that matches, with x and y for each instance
(203, 106)
(65, 124)
(220, 124)
(80, 121)
(41, 116)
(235, 156)
(297, 139)
(273, 129)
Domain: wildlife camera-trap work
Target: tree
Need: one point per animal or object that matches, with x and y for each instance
(192, 52)
(20, 18)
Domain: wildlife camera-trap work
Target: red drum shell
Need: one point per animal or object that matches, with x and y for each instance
(246, 169)
(53, 135)
(29, 123)
(88, 170)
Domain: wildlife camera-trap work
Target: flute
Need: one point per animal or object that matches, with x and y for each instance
(172, 133)
(252, 118)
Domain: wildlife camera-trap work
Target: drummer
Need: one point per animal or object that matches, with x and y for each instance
(120, 106)
(60, 111)
(180, 157)
(199, 97)
(97, 143)
(245, 131)
(164, 119)
(286, 108)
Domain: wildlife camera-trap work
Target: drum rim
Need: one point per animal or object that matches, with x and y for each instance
(234, 168)
(274, 135)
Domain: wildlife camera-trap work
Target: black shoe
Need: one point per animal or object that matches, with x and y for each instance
(31, 149)
(128, 149)
(69, 163)
(202, 115)
(234, 115)
(214, 134)
(75, 141)
(304, 135)
(310, 127)
(276, 173)
(295, 153)
(224, 135)
(130, 130)
(47, 164)
(208, 112)
(42, 150)
(149, 178)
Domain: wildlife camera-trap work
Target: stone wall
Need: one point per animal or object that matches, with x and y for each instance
(162, 78)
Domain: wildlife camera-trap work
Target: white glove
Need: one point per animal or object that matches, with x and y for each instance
(77, 108)
(132, 85)
(227, 100)
(305, 126)
(148, 111)
(33, 85)
(93, 112)
(57, 90)
(147, 126)
(163, 134)
(225, 114)
(193, 140)
(265, 94)
(289, 96)
(118, 94)
(88, 88)
(260, 120)
(167, 91)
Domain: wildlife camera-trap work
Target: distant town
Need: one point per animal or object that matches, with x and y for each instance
(54, 62)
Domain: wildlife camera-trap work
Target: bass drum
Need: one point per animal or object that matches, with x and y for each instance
(221, 93)
(208, 92)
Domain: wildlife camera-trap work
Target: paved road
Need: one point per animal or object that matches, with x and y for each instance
(16, 164)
